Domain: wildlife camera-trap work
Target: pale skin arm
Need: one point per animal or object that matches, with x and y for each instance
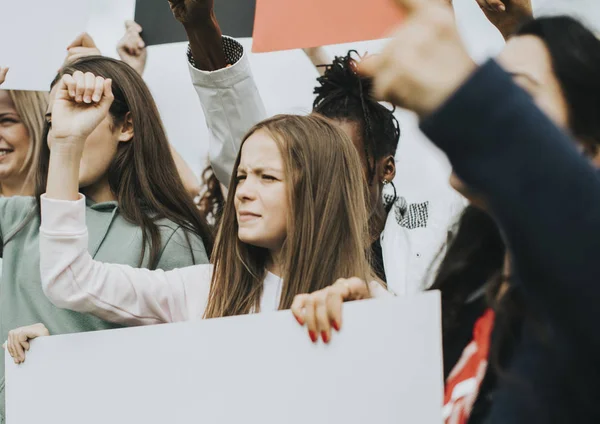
(318, 56)
(189, 179)
(132, 49)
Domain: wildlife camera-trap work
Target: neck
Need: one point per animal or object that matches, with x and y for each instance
(377, 221)
(274, 264)
(100, 192)
(20, 187)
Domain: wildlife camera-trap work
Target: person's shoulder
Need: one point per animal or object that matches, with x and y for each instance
(180, 246)
(14, 210)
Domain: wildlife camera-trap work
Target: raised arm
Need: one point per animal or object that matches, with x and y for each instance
(543, 193)
(224, 83)
(318, 57)
(70, 277)
(524, 166)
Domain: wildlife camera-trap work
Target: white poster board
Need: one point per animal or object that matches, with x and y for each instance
(34, 35)
(384, 367)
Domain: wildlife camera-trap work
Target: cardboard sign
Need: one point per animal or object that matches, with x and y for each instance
(34, 36)
(236, 19)
(291, 24)
(383, 367)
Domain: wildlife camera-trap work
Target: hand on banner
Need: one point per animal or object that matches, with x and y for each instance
(507, 15)
(322, 310)
(3, 72)
(82, 101)
(18, 340)
(132, 49)
(191, 11)
(407, 72)
(82, 46)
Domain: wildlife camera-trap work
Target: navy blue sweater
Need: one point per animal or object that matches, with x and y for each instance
(546, 199)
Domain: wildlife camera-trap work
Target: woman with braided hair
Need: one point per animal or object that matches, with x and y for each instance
(409, 235)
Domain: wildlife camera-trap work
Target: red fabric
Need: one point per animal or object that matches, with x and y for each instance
(465, 379)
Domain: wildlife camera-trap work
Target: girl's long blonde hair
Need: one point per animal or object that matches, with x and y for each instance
(31, 107)
(327, 226)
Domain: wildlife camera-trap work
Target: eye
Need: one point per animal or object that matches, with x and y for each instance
(8, 121)
(241, 178)
(268, 177)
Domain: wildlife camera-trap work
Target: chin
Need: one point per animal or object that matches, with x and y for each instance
(248, 237)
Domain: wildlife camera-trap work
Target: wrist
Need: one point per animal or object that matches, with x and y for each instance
(68, 145)
(206, 44)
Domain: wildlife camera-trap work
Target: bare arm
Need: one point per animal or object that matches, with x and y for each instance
(318, 56)
(188, 177)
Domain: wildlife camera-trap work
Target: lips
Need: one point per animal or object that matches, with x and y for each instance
(245, 216)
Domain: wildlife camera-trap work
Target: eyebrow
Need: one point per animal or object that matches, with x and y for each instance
(526, 76)
(259, 169)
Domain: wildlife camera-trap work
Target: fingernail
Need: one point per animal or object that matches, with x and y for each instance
(141, 45)
(313, 336)
(324, 336)
(300, 321)
(87, 99)
(96, 98)
(335, 325)
(502, 8)
(78, 99)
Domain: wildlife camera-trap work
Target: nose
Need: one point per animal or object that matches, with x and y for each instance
(246, 188)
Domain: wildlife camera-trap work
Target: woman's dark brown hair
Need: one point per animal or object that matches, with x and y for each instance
(143, 175)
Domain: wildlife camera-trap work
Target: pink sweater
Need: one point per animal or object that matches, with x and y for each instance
(71, 279)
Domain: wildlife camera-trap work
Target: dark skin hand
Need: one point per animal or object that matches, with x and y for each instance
(203, 31)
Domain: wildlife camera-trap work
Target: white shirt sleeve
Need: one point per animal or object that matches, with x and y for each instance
(72, 279)
(231, 104)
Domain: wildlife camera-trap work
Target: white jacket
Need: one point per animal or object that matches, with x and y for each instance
(415, 233)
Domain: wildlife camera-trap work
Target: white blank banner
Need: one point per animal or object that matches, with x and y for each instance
(384, 367)
(34, 35)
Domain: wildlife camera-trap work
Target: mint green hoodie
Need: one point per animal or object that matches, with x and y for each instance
(111, 239)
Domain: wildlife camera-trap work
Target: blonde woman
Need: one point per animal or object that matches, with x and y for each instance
(293, 223)
(21, 125)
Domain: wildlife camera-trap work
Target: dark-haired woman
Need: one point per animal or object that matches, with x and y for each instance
(556, 60)
(138, 212)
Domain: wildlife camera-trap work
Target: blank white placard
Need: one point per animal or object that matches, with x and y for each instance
(384, 367)
(34, 37)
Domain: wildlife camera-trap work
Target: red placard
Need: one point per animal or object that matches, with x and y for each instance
(292, 24)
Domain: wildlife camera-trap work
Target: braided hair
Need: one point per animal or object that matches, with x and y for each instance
(345, 95)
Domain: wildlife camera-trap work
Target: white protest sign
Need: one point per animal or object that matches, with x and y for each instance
(34, 36)
(384, 366)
